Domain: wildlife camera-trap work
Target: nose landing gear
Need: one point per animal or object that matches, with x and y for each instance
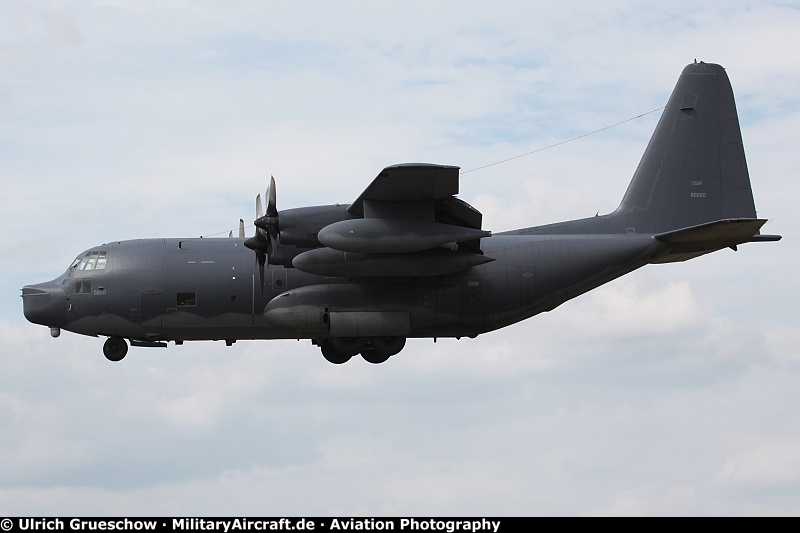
(115, 348)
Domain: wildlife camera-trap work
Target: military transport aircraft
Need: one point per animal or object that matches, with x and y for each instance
(407, 259)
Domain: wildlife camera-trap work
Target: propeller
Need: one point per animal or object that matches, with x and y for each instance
(241, 230)
(270, 222)
(267, 229)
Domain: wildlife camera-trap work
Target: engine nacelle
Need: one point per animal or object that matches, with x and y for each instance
(390, 235)
(436, 262)
(299, 227)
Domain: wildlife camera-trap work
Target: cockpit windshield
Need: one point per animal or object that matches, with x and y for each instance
(96, 260)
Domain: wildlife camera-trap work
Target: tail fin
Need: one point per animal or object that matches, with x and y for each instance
(694, 170)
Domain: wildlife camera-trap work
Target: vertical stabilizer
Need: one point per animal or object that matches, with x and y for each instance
(694, 169)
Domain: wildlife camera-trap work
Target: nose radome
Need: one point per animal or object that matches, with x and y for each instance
(39, 306)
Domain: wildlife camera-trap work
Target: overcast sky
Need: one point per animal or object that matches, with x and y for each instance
(673, 390)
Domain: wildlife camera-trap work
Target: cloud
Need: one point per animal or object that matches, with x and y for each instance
(766, 466)
(665, 392)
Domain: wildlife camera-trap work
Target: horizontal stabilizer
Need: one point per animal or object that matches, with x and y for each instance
(705, 238)
(765, 238)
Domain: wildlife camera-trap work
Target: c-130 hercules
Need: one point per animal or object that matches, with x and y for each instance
(408, 259)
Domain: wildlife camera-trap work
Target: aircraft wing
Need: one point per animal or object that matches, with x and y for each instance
(407, 222)
(409, 182)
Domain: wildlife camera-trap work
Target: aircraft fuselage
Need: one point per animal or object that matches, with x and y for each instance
(408, 259)
(210, 289)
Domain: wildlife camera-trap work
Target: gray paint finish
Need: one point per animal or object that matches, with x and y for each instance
(390, 271)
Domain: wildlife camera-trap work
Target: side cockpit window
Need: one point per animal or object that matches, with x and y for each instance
(91, 261)
(83, 286)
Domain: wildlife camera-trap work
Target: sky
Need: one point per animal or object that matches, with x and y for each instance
(670, 391)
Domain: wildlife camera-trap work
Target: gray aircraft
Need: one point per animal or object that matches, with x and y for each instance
(408, 259)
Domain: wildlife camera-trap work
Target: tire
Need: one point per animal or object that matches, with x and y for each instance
(115, 349)
(388, 345)
(348, 345)
(382, 349)
(331, 354)
(374, 357)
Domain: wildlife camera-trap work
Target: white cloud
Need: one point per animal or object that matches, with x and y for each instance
(765, 466)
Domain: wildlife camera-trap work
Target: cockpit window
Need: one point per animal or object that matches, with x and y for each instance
(83, 286)
(91, 261)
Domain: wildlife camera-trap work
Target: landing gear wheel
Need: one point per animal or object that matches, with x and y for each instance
(374, 357)
(332, 355)
(115, 348)
(382, 349)
(349, 346)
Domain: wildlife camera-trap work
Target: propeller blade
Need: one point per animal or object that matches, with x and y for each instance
(241, 229)
(272, 210)
(230, 234)
(265, 240)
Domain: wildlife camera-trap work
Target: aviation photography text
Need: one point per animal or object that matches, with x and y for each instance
(229, 525)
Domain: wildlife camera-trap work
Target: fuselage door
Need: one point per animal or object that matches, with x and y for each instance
(278, 279)
(446, 304)
(151, 309)
(472, 298)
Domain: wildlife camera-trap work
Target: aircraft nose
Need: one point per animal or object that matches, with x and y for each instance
(44, 304)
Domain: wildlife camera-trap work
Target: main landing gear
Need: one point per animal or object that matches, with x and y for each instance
(115, 348)
(374, 350)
